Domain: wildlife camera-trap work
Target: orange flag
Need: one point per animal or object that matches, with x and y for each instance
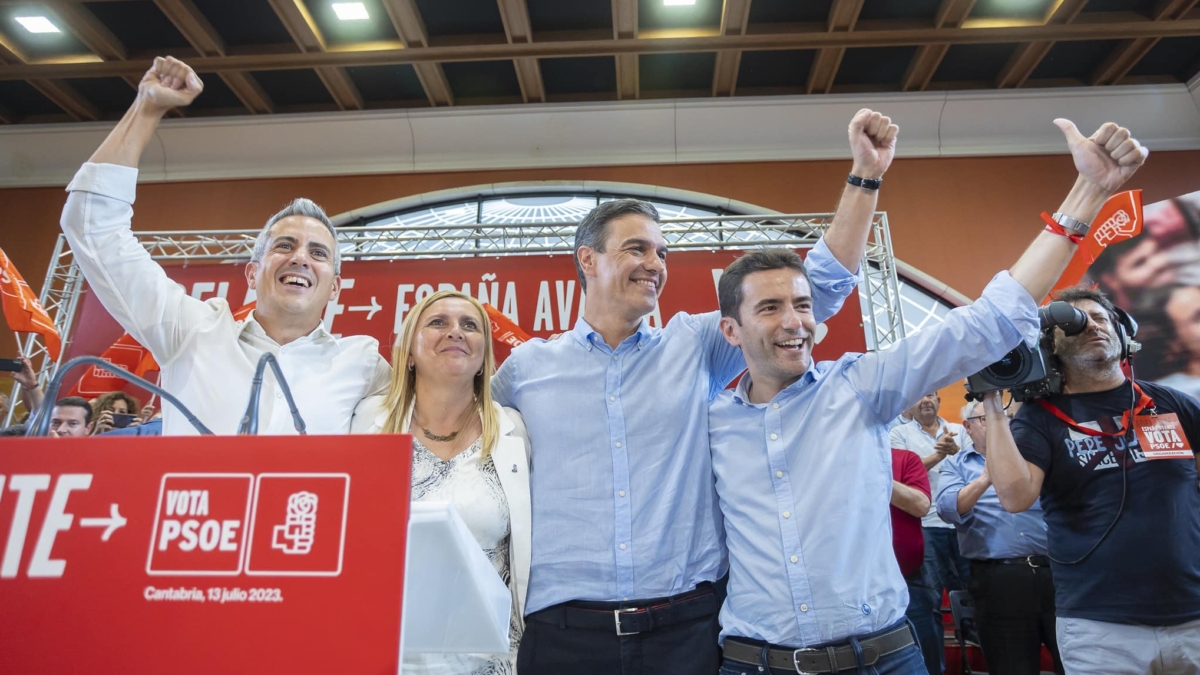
(1119, 219)
(125, 353)
(22, 309)
(244, 311)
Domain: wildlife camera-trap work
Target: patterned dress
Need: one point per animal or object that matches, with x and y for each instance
(474, 490)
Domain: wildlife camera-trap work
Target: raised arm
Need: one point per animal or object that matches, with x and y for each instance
(1105, 160)
(169, 83)
(96, 221)
(873, 145)
(1018, 482)
(909, 500)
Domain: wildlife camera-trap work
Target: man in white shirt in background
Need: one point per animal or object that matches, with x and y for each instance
(207, 357)
(934, 439)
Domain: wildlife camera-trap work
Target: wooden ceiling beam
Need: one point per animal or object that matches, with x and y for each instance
(308, 38)
(407, 21)
(625, 29)
(950, 14)
(1026, 57)
(196, 29)
(843, 14)
(64, 96)
(84, 25)
(433, 55)
(518, 30)
(248, 91)
(1130, 52)
(735, 17)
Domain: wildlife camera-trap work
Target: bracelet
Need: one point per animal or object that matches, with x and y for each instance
(865, 183)
(1053, 227)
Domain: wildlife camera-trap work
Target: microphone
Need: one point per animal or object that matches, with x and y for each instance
(249, 425)
(40, 425)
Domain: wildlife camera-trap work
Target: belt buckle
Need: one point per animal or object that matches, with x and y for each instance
(617, 619)
(1029, 561)
(796, 659)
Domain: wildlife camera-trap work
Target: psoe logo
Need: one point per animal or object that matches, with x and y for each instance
(1117, 227)
(295, 536)
(200, 524)
(298, 525)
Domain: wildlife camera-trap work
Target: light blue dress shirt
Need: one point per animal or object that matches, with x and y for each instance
(987, 531)
(805, 480)
(621, 477)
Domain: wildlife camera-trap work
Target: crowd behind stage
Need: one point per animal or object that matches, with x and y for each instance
(648, 518)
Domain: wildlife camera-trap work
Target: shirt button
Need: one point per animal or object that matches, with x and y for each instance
(618, 444)
(795, 559)
(279, 394)
(787, 514)
(612, 398)
(622, 547)
(622, 493)
(774, 437)
(803, 608)
(775, 406)
(779, 474)
(616, 358)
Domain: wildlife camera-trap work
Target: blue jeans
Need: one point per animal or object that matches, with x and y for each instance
(946, 569)
(907, 661)
(926, 618)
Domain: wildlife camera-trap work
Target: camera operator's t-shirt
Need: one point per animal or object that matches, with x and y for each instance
(1147, 570)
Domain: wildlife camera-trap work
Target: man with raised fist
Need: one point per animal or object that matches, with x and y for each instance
(208, 357)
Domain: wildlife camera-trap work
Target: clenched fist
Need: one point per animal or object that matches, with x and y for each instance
(170, 83)
(872, 143)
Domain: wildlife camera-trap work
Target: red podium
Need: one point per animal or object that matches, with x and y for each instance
(246, 554)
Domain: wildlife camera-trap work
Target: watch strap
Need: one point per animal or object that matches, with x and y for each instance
(865, 183)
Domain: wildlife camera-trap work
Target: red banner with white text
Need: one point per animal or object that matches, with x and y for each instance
(540, 294)
(203, 555)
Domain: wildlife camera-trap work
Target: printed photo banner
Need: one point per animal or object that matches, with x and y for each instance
(540, 294)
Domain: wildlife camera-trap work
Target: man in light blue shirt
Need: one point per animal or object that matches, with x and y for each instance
(1010, 581)
(800, 450)
(627, 537)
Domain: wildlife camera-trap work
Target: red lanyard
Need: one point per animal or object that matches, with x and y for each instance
(1144, 402)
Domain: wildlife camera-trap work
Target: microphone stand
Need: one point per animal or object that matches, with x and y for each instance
(249, 425)
(40, 425)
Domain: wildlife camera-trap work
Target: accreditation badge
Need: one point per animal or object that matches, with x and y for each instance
(1161, 437)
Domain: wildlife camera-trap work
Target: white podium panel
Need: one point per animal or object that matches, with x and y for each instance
(454, 601)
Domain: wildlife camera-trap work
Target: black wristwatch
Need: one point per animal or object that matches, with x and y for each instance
(865, 183)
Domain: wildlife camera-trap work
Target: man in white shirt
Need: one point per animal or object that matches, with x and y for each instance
(934, 439)
(207, 357)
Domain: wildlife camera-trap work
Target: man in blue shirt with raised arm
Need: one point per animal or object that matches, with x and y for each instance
(1010, 572)
(800, 449)
(627, 538)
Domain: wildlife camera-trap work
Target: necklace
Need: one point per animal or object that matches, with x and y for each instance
(450, 436)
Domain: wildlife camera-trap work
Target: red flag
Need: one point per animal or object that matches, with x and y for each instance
(1119, 219)
(244, 311)
(22, 309)
(505, 334)
(125, 353)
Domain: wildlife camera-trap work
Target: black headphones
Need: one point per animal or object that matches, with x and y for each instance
(1126, 329)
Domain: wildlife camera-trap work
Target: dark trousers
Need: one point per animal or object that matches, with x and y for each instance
(946, 569)
(1014, 610)
(686, 648)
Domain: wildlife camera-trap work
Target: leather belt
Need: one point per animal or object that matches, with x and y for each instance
(1030, 560)
(631, 618)
(829, 659)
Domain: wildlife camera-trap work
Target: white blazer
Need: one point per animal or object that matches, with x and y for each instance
(511, 458)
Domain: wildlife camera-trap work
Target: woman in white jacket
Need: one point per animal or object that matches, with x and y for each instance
(467, 450)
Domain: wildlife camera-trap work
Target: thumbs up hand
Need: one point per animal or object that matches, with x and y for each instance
(1108, 157)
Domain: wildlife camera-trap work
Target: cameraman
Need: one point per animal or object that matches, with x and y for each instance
(1123, 516)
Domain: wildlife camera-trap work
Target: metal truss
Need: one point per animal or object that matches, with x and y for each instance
(879, 287)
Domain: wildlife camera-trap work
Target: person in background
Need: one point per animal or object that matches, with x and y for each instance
(111, 404)
(935, 439)
(463, 445)
(1010, 581)
(1169, 330)
(71, 418)
(910, 503)
(31, 394)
